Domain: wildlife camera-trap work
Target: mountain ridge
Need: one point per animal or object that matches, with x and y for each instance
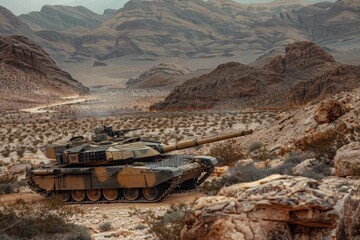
(305, 73)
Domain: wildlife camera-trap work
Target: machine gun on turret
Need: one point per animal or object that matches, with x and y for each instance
(108, 134)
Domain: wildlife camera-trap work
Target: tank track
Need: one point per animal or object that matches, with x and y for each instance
(48, 194)
(205, 176)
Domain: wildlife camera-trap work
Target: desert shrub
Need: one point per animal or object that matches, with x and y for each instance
(254, 146)
(248, 173)
(7, 182)
(105, 226)
(262, 154)
(5, 152)
(237, 174)
(165, 226)
(7, 178)
(312, 174)
(20, 152)
(287, 166)
(42, 220)
(226, 153)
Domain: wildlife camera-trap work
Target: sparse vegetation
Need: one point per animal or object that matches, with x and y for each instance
(44, 220)
(227, 153)
(105, 226)
(254, 146)
(247, 173)
(166, 226)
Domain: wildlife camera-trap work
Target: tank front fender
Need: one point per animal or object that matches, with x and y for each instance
(211, 161)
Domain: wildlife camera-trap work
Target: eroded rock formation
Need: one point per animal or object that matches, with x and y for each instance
(349, 224)
(329, 111)
(276, 207)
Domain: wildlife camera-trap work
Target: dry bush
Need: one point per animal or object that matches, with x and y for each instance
(254, 146)
(249, 173)
(9, 184)
(105, 226)
(226, 153)
(43, 220)
(166, 226)
(6, 152)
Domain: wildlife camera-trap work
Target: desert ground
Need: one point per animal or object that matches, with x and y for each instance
(25, 133)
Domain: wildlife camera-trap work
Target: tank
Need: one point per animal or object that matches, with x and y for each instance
(112, 167)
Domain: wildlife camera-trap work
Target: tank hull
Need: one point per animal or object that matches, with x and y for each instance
(141, 182)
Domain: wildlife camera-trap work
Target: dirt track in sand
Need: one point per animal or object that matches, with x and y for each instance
(170, 199)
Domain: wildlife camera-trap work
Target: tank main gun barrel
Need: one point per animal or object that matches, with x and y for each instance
(201, 141)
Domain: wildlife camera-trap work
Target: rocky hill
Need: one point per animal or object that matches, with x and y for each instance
(10, 24)
(28, 75)
(57, 18)
(157, 76)
(305, 73)
(193, 28)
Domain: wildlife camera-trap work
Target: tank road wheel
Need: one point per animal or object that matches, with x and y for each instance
(151, 193)
(78, 195)
(131, 194)
(64, 195)
(189, 184)
(110, 194)
(93, 195)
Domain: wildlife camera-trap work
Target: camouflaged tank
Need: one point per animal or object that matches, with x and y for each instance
(115, 168)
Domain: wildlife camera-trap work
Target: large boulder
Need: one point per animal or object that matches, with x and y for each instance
(328, 111)
(347, 160)
(349, 224)
(276, 207)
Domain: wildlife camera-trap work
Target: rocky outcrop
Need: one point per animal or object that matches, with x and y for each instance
(29, 74)
(305, 166)
(161, 71)
(276, 207)
(305, 73)
(329, 111)
(349, 223)
(347, 160)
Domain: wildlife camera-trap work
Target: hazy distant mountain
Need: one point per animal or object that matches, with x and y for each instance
(35, 5)
(94, 5)
(193, 28)
(99, 6)
(62, 17)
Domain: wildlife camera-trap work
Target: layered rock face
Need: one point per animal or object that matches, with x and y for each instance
(276, 207)
(29, 74)
(57, 18)
(349, 224)
(305, 73)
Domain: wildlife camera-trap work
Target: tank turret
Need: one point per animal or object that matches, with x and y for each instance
(121, 168)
